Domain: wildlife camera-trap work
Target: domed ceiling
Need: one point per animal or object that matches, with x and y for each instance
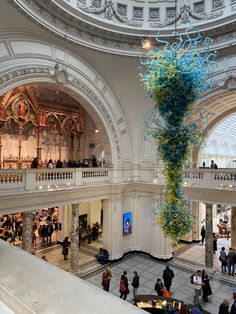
(118, 26)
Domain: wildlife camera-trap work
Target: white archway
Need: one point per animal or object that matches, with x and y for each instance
(35, 61)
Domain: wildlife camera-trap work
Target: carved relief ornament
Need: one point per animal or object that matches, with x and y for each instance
(184, 17)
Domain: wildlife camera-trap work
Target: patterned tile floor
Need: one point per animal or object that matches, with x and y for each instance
(188, 259)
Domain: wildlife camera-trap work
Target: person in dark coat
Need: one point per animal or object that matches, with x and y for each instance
(214, 243)
(168, 275)
(159, 287)
(206, 288)
(59, 164)
(35, 163)
(233, 308)
(135, 283)
(44, 235)
(65, 248)
(203, 234)
(50, 231)
(224, 307)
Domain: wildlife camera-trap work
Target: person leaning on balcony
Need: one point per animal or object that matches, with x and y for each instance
(213, 165)
(50, 165)
(35, 163)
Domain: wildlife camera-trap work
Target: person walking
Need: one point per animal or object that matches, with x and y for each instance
(224, 307)
(203, 234)
(197, 285)
(124, 286)
(65, 248)
(106, 278)
(135, 283)
(206, 288)
(167, 276)
(159, 287)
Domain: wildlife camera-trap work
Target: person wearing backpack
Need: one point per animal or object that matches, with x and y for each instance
(124, 286)
(135, 283)
(196, 281)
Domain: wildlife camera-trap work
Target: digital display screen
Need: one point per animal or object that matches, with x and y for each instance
(127, 223)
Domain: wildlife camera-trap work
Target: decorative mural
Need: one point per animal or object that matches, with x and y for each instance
(43, 131)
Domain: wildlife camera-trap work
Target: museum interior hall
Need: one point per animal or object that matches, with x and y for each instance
(117, 156)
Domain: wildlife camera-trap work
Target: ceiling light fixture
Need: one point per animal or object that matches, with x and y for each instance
(146, 43)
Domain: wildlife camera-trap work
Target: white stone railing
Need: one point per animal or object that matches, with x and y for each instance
(223, 178)
(37, 179)
(40, 179)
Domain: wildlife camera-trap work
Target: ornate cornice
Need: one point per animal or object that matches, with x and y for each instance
(85, 26)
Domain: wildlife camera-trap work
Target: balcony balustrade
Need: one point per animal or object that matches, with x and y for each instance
(40, 179)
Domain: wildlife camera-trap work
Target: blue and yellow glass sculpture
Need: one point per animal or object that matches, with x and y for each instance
(176, 75)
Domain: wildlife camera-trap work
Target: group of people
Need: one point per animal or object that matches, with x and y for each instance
(124, 283)
(160, 288)
(228, 261)
(201, 285)
(213, 165)
(199, 280)
(11, 227)
(164, 289)
(93, 162)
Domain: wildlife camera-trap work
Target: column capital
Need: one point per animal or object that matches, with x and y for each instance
(75, 206)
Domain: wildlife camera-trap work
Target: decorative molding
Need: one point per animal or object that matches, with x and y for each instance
(199, 7)
(110, 12)
(218, 4)
(102, 34)
(230, 81)
(154, 13)
(61, 75)
(184, 17)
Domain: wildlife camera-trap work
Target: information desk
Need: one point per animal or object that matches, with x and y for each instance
(157, 304)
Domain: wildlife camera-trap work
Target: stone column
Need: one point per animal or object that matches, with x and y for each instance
(209, 237)
(65, 219)
(74, 236)
(233, 228)
(27, 228)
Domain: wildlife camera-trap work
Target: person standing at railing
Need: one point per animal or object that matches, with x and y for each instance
(213, 165)
(35, 163)
(50, 165)
(59, 164)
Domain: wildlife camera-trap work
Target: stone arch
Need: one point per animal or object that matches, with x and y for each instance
(222, 104)
(80, 80)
